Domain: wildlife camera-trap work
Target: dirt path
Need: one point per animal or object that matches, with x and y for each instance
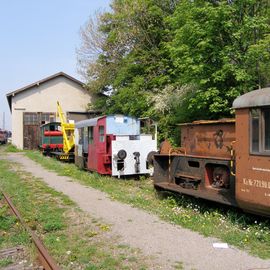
(167, 244)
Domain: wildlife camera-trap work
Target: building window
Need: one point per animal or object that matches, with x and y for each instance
(260, 131)
(38, 118)
(47, 118)
(90, 135)
(30, 119)
(101, 133)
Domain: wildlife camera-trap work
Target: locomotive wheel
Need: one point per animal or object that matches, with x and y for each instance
(221, 177)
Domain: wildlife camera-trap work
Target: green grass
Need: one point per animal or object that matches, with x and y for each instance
(5, 262)
(73, 241)
(178, 265)
(248, 232)
(11, 148)
(11, 232)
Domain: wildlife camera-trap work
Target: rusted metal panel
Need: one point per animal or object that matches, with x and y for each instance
(201, 166)
(209, 122)
(211, 139)
(252, 171)
(167, 148)
(194, 176)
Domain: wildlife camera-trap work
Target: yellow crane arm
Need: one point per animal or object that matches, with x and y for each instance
(60, 113)
(67, 130)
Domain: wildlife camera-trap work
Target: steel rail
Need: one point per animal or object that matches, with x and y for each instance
(43, 255)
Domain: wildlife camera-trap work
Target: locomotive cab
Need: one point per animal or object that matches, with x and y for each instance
(253, 151)
(113, 145)
(50, 138)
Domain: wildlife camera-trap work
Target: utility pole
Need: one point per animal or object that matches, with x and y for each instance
(4, 120)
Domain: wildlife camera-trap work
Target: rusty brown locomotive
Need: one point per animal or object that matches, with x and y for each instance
(226, 161)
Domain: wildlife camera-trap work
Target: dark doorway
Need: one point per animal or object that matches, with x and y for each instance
(31, 127)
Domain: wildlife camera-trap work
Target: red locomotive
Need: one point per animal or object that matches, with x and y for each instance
(226, 161)
(113, 145)
(3, 136)
(51, 138)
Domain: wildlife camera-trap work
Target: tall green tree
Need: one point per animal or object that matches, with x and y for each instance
(177, 60)
(222, 48)
(132, 62)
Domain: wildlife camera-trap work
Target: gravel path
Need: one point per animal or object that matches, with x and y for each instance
(167, 244)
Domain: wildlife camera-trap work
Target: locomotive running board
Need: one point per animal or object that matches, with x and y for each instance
(208, 193)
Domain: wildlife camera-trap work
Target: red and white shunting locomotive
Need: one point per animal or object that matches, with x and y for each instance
(114, 145)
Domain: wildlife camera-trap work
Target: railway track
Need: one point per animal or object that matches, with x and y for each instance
(46, 262)
(17, 255)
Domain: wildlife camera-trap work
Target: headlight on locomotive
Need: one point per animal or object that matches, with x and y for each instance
(122, 154)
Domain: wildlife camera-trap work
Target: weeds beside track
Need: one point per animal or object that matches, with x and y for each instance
(75, 240)
(46, 261)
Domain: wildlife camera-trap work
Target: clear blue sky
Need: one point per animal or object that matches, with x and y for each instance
(38, 39)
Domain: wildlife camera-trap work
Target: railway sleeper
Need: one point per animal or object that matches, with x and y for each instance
(17, 256)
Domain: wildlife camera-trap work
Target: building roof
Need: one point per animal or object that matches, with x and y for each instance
(253, 99)
(27, 87)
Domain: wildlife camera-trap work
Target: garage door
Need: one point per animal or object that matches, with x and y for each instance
(31, 127)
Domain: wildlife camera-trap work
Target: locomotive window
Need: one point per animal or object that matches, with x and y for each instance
(260, 131)
(80, 136)
(85, 136)
(255, 123)
(101, 133)
(90, 135)
(266, 126)
(52, 128)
